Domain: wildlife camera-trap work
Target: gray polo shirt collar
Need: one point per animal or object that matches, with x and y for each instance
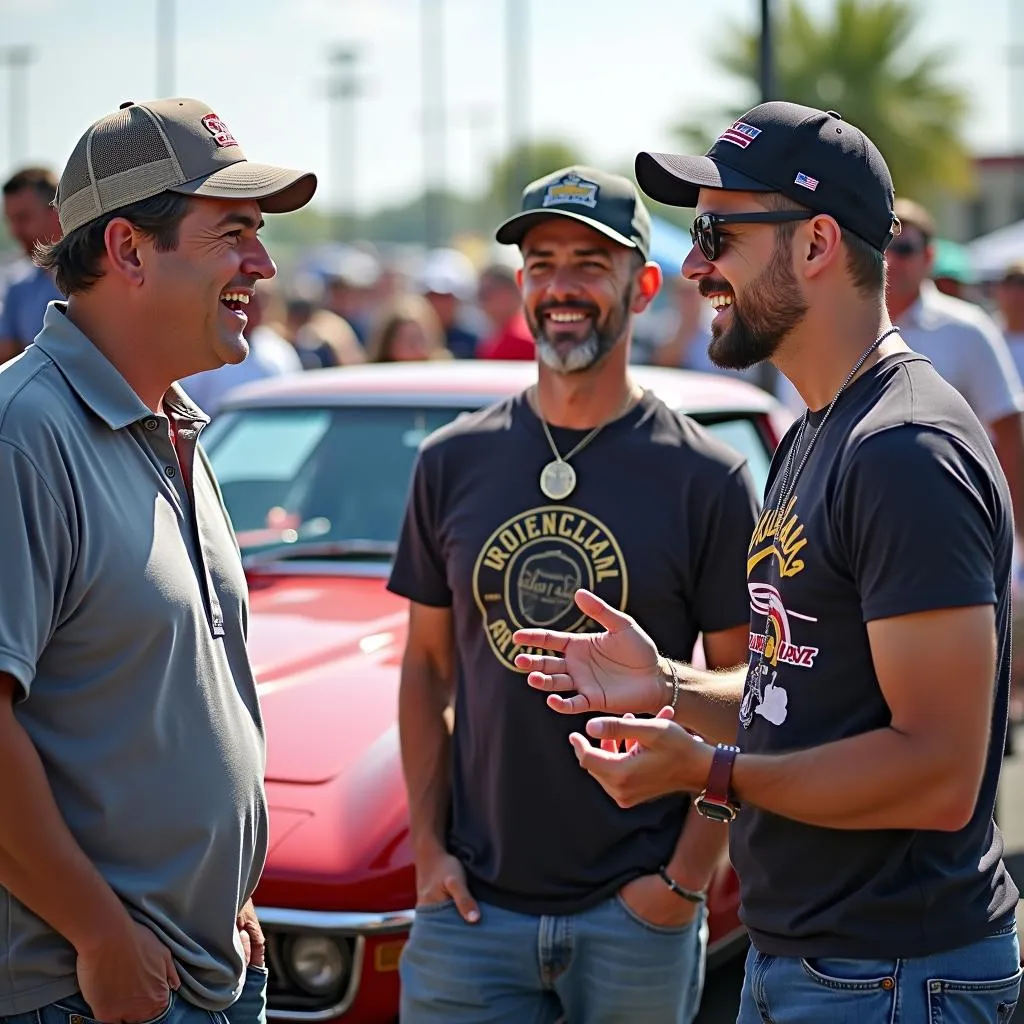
(96, 380)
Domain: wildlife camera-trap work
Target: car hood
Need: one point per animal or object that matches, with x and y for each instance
(326, 652)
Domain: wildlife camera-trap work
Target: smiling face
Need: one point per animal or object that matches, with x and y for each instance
(579, 288)
(751, 286)
(198, 292)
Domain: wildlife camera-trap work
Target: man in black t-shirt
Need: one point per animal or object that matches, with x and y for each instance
(537, 897)
(862, 774)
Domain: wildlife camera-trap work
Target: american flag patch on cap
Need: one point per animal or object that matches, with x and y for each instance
(806, 180)
(740, 134)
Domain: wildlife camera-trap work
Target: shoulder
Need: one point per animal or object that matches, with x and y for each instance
(691, 442)
(35, 400)
(470, 429)
(945, 312)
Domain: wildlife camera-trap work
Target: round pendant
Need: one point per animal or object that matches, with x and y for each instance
(558, 480)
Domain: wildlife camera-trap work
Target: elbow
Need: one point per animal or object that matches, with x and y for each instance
(953, 805)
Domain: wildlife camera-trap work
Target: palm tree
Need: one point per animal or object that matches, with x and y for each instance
(862, 61)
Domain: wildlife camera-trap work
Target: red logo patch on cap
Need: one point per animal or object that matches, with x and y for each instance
(219, 130)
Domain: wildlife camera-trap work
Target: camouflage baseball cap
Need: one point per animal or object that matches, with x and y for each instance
(608, 203)
(172, 145)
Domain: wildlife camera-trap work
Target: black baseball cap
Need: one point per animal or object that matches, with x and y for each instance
(811, 156)
(606, 202)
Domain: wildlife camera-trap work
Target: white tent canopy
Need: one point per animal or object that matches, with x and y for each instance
(991, 254)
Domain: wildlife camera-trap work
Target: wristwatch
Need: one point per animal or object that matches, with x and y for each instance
(715, 802)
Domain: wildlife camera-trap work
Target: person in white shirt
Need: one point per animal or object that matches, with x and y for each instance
(961, 340)
(1009, 295)
(270, 355)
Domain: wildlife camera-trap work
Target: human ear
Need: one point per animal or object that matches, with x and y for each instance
(648, 284)
(121, 240)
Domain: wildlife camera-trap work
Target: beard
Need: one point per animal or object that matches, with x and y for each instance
(770, 308)
(561, 351)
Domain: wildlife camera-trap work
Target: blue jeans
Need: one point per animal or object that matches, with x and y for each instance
(976, 984)
(602, 966)
(249, 1008)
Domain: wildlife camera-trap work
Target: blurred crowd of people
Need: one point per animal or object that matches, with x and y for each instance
(354, 304)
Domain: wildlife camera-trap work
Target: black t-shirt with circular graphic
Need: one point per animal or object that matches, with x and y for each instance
(658, 525)
(901, 508)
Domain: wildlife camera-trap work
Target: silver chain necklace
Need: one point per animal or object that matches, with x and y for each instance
(558, 478)
(789, 479)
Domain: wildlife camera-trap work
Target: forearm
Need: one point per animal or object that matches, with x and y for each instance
(41, 864)
(426, 743)
(878, 780)
(709, 701)
(701, 848)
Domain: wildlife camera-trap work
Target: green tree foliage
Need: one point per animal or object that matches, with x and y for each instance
(863, 59)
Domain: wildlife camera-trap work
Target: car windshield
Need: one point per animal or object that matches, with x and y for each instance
(330, 482)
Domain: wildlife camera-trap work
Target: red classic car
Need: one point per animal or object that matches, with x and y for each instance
(314, 470)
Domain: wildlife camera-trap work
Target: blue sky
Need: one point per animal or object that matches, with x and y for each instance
(610, 76)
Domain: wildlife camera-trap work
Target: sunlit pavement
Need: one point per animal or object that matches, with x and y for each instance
(721, 996)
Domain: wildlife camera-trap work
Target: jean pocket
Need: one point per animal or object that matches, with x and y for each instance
(657, 929)
(959, 1001)
(435, 908)
(851, 975)
(75, 1010)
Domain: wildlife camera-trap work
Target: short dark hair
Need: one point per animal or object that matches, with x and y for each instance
(40, 179)
(865, 264)
(75, 261)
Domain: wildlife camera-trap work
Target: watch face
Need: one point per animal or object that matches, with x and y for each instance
(714, 811)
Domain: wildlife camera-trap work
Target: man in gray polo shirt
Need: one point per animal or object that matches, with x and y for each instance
(133, 822)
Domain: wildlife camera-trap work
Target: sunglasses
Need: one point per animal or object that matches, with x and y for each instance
(705, 234)
(904, 249)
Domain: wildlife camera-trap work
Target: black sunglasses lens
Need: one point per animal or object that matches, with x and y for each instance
(904, 248)
(703, 234)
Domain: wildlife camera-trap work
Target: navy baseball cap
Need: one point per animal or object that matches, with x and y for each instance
(608, 203)
(811, 156)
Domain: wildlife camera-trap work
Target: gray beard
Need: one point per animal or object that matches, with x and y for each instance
(580, 357)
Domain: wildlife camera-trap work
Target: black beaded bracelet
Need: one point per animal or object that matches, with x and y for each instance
(686, 894)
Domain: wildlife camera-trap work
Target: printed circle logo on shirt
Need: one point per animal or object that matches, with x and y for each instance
(529, 569)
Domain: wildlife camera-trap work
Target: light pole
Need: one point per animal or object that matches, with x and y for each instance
(343, 89)
(435, 214)
(17, 59)
(516, 97)
(765, 372)
(165, 40)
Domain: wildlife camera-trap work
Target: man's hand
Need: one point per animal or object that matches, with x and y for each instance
(660, 758)
(251, 935)
(614, 671)
(442, 877)
(127, 979)
(652, 900)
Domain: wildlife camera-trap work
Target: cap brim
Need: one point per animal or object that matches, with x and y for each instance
(276, 189)
(677, 180)
(515, 228)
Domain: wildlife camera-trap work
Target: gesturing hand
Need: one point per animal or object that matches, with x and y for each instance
(615, 671)
(660, 758)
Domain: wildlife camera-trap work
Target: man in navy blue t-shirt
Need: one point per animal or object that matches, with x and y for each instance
(862, 774)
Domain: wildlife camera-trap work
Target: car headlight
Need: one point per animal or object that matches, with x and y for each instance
(317, 963)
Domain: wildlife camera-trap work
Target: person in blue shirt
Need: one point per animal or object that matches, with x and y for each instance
(31, 219)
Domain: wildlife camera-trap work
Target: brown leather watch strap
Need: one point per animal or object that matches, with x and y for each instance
(720, 776)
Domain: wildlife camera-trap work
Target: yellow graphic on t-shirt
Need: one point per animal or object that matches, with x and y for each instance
(529, 569)
(791, 540)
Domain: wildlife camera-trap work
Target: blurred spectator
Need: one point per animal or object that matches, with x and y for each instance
(447, 281)
(321, 338)
(960, 339)
(688, 332)
(351, 280)
(31, 219)
(1009, 294)
(407, 330)
(270, 355)
(952, 271)
(501, 302)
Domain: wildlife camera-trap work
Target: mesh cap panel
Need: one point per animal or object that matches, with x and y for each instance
(124, 141)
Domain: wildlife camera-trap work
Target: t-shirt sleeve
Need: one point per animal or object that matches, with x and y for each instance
(720, 599)
(994, 378)
(419, 569)
(36, 559)
(915, 517)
